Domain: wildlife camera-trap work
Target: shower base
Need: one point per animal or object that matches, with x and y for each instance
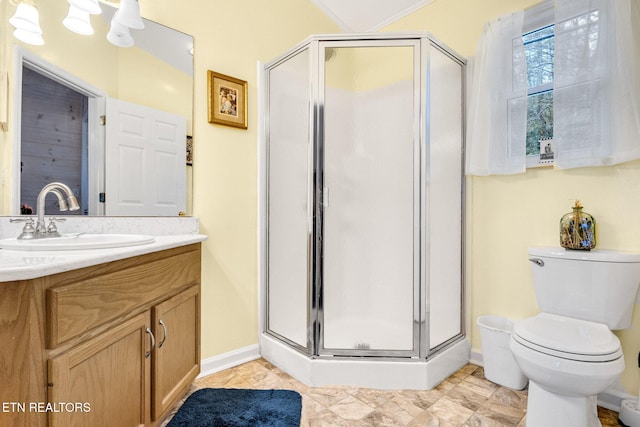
(384, 374)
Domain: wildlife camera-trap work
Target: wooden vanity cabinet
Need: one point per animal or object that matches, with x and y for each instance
(176, 360)
(115, 344)
(107, 376)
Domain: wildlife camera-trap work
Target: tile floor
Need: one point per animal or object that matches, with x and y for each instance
(466, 398)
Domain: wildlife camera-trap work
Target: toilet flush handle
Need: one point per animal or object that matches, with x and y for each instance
(537, 261)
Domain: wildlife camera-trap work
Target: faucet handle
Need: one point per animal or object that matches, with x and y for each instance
(29, 229)
(25, 219)
(52, 230)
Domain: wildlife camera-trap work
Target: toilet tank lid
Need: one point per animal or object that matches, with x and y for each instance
(596, 255)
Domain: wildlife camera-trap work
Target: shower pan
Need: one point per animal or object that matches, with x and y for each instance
(361, 211)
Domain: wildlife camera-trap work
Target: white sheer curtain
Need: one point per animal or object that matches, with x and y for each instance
(596, 82)
(497, 113)
(596, 89)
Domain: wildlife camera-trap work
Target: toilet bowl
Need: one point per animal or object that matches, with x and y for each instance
(568, 362)
(568, 351)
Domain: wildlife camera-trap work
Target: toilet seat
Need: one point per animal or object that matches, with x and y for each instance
(568, 338)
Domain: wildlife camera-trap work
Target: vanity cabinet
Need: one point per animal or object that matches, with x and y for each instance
(177, 357)
(116, 344)
(108, 377)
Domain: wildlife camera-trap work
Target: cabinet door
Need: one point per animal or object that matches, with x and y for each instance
(176, 360)
(104, 381)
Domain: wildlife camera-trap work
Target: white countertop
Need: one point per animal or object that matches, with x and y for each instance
(24, 265)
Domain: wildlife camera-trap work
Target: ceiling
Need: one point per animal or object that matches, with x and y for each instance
(367, 15)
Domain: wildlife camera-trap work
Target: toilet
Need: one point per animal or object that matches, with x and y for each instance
(568, 351)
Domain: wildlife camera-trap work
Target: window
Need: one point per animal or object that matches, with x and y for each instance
(539, 48)
(565, 72)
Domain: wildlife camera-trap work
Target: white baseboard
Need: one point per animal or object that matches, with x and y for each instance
(610, 399)
(228, 360)
(476, 357)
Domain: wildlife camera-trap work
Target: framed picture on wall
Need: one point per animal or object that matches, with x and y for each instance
(227, 100)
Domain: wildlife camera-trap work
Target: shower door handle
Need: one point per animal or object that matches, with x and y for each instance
(325, 197)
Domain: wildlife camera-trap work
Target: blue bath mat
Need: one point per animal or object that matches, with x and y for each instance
(230, 407)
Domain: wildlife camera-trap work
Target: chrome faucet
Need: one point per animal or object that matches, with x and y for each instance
(66, 200)
(66, 203)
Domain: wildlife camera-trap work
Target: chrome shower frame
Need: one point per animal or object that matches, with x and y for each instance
(315, 348)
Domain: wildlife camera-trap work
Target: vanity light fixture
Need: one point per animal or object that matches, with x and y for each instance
(28, 37)
(78, 21)
(119, 34)
(129, 14)
(26, 21)
(91, 7)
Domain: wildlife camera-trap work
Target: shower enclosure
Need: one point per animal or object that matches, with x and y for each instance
(361, 211)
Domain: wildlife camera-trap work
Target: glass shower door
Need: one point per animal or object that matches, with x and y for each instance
(370, 194)
(289, 205)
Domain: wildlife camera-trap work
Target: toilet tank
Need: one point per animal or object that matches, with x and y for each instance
(597, 285)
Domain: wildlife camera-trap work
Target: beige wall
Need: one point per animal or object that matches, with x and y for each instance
(144, 79)
(230, 37)
(507, 214)
(129, 74)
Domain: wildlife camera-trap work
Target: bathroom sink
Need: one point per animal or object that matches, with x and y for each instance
(77, 242)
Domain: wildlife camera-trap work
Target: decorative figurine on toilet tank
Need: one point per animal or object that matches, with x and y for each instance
(578, 229)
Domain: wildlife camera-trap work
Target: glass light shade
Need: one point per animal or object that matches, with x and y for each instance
(89, 6)
(78, 21)
(129, 14)
(119, 34)
(28, 37)
(26, 18)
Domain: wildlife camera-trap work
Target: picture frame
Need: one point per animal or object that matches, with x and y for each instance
(227, 99)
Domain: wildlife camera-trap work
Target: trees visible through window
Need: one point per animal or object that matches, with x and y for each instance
(560, 76)
(539, 47)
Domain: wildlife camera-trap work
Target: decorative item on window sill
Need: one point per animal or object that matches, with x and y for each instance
(546, 151)
(578, 229)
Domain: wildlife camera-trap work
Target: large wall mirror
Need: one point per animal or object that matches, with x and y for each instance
(61, 91)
